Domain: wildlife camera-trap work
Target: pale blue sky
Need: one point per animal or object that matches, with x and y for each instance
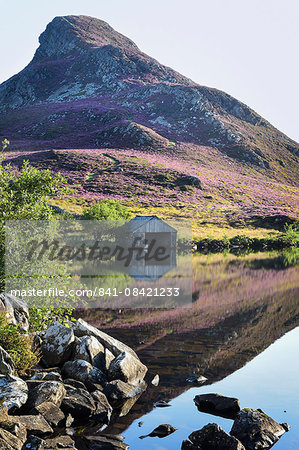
(248, 48)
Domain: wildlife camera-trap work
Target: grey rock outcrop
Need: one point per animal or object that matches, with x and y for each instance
(56, 346)
(116, 391)
(89, 349)
(255, 429)
(83, 371)
(13, 391)
(48, 391)
(82, 328)
(211, 436)
(127, 368)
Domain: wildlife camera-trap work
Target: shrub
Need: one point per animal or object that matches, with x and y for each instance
(107, 210)
(19, 346)
(41, 319)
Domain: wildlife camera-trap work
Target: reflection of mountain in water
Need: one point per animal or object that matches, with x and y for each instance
(213, 338)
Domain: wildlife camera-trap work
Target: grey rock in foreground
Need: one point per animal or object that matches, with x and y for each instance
(82, 405)
(56, 346)
(15, 309)
(127, 368)
(217, 404)
(211, 437)
(83, 371)
(48, 391)
(256, 430)
(53, 415)
(89, 349)
(117, 390)
(82, 328)
(6, 363)
(13, 391)
(34, 424)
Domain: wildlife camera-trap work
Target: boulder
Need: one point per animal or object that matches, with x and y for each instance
(47, 376)
(16, 310)
(217, 404)
(108, 358)
(48, 391)
(6, 363)
(59, 442)
(83, 371)
(82, 328)
(89, 349)
(16, 429)
(256, 430)
(56, 346)
(103, 409)
(13, 391)
(79, 403)
(74, 383)
(53, 415)
(34, 424)
(117, 390)
(127, 368)
(8, 441)
(211, 436)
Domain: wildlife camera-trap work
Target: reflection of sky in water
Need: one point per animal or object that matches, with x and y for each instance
(270, 382)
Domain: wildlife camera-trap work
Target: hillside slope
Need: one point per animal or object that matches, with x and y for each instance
(89, 87)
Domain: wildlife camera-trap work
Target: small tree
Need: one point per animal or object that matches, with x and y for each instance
(107, 210)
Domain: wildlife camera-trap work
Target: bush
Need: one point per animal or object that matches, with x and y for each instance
(25, 196)
(107, 210)
(19, 346)
(41, 319)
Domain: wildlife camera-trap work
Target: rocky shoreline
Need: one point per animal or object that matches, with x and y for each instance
(83, 377)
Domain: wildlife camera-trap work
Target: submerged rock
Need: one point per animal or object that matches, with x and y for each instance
(197, 379)
(13, 392)
(256, 430)
(109, 442)
(217, 404)
(161, 404)
(211, 437)
(56, 346)
(161, 431)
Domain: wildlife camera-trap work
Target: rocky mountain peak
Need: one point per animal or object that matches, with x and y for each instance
(69, 34)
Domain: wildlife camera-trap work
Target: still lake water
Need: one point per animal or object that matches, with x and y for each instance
(241, 333)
